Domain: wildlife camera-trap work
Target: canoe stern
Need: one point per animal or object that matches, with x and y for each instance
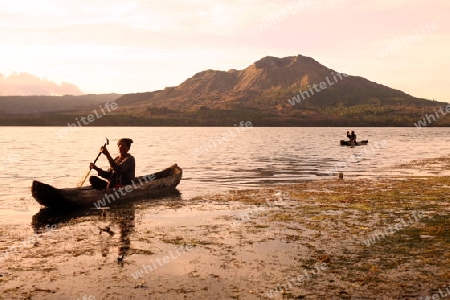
(47, 195)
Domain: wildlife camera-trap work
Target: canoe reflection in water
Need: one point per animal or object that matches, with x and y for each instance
(116, 223)
(95, 228)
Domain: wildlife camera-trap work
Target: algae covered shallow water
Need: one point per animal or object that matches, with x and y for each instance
(310, 240)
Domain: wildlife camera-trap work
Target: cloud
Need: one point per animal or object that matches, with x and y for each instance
(143, 45)
(24, 84)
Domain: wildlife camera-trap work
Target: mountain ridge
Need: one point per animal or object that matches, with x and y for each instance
(288, 91)
(267, 75)
(46, 104)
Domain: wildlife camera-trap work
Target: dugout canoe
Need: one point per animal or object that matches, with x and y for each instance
(360, 143)
(143, 187)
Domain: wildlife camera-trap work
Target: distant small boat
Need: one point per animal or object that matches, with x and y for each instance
(149, 186)
(348, 143)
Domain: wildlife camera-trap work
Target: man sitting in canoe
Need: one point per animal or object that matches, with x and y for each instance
(351, 137)
(122, 168)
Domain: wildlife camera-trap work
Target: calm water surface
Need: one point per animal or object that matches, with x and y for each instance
(241, 159)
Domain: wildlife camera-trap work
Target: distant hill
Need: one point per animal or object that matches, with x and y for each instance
(289, 91)
(40, 104)
(282, 91)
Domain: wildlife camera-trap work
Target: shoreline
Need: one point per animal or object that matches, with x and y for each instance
(352, 238)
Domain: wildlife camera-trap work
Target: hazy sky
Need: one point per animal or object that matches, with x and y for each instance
(120, 46)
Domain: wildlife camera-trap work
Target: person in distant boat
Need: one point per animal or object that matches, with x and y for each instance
(121, 170)
(351, 136)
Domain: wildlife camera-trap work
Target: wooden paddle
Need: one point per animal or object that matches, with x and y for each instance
(89, 171)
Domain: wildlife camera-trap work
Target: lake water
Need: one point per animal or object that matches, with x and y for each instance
(231, 158)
